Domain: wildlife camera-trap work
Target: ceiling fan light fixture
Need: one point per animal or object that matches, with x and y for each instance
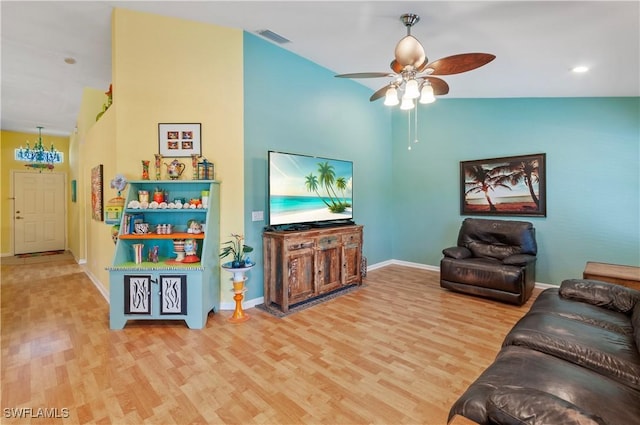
(411, 89)
(407, 103)
(391, 97)
(426, 94)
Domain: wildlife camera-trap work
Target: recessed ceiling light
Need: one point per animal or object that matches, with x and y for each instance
(70, 60)
(580, 69)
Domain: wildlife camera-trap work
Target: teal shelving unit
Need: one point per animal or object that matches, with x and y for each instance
(167, 289)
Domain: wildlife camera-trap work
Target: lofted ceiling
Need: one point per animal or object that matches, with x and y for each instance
(536, 44)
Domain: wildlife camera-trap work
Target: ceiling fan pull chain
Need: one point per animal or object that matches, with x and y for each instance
(415, 126)
(409, 130)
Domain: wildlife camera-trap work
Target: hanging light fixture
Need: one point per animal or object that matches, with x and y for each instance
(39, 157)
(391, 96)
(426, 94)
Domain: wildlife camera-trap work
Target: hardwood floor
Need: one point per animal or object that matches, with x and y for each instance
(400, 350)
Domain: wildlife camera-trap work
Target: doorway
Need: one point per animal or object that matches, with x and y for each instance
(39, 219)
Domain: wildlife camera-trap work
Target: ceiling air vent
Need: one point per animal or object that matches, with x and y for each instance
(270, 35)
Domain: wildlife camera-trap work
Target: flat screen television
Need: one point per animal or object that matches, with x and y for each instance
(309, 190)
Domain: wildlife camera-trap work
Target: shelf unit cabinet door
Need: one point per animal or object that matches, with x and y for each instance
(301, 267)
(137, 294)
(173, 294)
(328, 264)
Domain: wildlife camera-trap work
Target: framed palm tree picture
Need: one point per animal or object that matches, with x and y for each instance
(513, 185)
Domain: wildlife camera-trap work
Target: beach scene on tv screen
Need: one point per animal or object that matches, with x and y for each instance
(305, 189)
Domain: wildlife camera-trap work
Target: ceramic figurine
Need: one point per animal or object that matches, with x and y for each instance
(153, 254)
(174, 169)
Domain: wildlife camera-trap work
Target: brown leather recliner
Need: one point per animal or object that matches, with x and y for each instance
(493, 259)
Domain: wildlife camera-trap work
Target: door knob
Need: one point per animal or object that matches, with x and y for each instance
(19, 218)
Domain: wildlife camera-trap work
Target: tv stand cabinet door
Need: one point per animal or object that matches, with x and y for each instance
(328, 272)
(300, 283)
(351, 257)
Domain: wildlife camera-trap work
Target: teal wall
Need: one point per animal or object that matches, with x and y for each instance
(592, 148)
(294, 105)
(409, 200)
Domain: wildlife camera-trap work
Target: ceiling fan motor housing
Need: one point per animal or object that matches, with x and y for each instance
(409, 52)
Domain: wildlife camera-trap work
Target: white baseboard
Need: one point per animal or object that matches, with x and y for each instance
(245, 304)
(434, 269)
(96, 282)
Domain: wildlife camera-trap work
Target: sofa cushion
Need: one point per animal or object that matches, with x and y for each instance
(603, 294)
(457, 252)
(528, 406)
(550, 301)
(492, 250)
(482, 272)
(614, 402)
(508, 234)
(606, 352)
(635, 321)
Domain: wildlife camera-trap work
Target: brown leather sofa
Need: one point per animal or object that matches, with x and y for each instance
(493, 258)
(572, 359)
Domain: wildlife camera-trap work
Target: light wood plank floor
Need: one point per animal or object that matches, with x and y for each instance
(399, 350)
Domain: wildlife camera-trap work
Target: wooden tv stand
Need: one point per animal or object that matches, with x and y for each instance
(614, 273)
(304, 264)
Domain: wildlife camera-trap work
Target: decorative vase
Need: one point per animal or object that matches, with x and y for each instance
(158, 164)
(194, 164)
(145, 170)
(137, 252)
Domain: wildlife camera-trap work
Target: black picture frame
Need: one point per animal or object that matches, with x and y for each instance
(511, 185)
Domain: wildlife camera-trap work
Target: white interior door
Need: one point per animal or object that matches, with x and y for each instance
(39, 212)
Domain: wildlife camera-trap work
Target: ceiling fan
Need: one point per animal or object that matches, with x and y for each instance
(413, 77)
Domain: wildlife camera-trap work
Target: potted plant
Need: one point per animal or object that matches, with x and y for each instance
(237, 249)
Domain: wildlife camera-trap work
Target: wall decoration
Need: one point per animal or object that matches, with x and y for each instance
(96, 192)
(514, 185)
(179, 140)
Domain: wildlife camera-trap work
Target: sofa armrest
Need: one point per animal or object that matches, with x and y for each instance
(519, 259)
(457, 252)
(603, 294)
(528, 406)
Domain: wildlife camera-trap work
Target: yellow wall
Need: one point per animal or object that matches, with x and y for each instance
(91, 104)
(96, 150)
(10, 140)
(167, 70)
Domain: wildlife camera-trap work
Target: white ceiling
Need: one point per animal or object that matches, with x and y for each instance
(536, 44)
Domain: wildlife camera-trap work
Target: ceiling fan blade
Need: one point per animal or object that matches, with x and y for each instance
(380, 93)
(457, 64)
(366, 75)
(396, 67)
(440, 87)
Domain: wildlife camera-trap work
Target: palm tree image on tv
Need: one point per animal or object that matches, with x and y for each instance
(326, 180)
(504, 185)
(307, 189)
